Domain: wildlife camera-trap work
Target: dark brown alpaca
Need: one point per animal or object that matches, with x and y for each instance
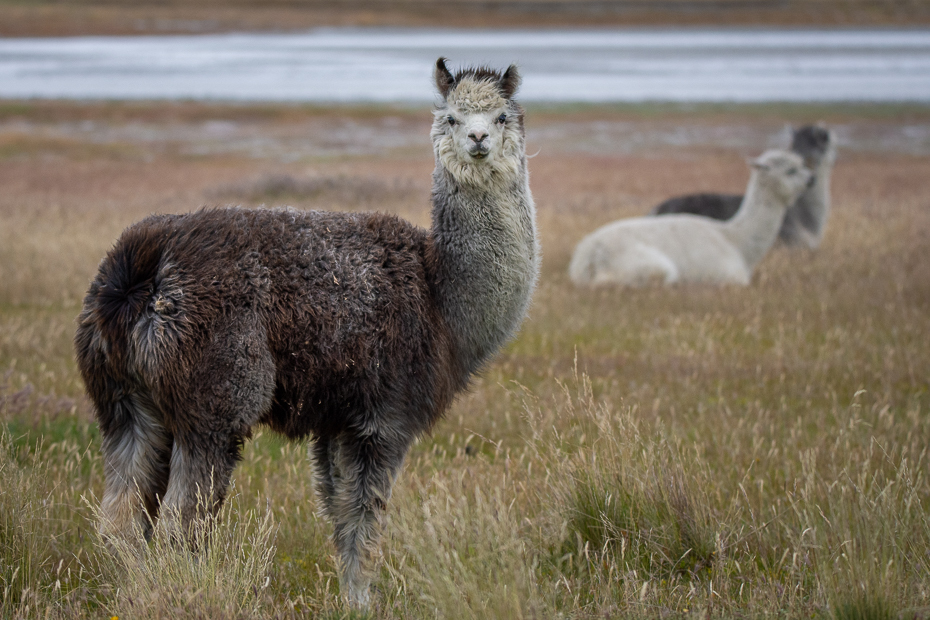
(354, 330)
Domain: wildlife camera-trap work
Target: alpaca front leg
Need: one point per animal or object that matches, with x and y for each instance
(364, 470)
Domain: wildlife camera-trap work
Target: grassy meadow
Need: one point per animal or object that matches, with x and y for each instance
(661, 452)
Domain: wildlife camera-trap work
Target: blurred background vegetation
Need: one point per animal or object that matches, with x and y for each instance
(76, 17)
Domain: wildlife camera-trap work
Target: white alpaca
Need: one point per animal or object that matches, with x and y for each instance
(806, 219)
(690, 248)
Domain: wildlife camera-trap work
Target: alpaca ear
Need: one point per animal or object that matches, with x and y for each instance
(757, 164)
(443, 77)
(510, 81)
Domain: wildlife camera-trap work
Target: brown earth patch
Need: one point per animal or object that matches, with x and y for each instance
(120, 17)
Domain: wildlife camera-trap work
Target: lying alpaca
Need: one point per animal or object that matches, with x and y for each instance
(690, 248)
(354, 329)
(806, 219)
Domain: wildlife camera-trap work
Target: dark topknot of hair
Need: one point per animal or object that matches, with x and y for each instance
(508, 81)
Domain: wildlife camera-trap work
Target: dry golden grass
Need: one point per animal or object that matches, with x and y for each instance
(679, 452)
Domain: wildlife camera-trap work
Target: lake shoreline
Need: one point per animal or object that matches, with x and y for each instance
(566, 65)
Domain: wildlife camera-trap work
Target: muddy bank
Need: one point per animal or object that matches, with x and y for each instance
(330, 134)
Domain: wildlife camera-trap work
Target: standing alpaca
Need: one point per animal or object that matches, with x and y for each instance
(354, 329)
(690, 248)
(806, 219)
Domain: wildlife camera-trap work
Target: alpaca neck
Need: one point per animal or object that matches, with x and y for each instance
(815, 201)
(487, 259)
(755, 226)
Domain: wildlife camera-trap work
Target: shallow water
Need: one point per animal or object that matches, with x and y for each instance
(558, 65)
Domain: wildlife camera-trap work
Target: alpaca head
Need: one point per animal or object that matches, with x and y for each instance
(782, 174)
(816, 144)
(477, 132)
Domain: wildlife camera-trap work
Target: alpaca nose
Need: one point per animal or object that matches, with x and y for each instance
(477, 136)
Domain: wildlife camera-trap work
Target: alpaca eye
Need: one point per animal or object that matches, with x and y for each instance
(451, 121)
(792, 170)
(502, 119)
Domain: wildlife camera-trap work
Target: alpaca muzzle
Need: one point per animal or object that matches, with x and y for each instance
(479, 150)
(478, 146)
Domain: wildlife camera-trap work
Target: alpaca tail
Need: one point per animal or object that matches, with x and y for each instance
(116, 299)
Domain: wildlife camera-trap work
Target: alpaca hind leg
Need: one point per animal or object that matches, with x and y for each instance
(136, 452)
(201, 467)
(364, 470)
(228, 393)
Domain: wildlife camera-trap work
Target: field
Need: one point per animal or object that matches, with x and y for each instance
(663, 452)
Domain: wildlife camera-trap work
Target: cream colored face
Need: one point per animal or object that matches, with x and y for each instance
(785, 172)
(476, 123)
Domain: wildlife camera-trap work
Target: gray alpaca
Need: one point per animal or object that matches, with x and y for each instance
(806, 219)
(356, 330)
